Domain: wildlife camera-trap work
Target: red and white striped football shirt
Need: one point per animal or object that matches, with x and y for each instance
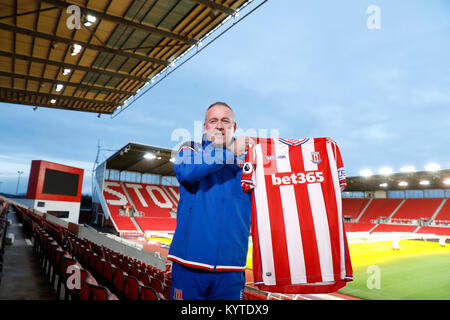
(299, 242)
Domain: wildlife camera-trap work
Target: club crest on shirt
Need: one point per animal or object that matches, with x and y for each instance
(315, 157)
(177, 294)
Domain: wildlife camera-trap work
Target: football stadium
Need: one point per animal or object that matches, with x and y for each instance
(398, 244)
(100, 57)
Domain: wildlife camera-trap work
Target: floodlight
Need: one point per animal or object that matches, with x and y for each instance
(403, 183)
(149, 156)
(76, 48)
(432, 167)
(424, 183)
(408, 169)
(366, 172)
(90, 19)
(59, 87)
(385, 171)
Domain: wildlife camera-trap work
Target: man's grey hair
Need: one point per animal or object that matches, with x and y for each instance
(219, 103)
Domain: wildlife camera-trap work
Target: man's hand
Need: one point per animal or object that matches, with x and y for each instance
(330, 140)
(240, 145)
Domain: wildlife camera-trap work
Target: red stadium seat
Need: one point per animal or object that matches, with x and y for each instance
(118, 281)
(166, 293)
(108, 272)
(57, 264)
(144, 278)
(157, 285)
(66, 261)
(86, 279)
(134, 271)
(92, 260)
(148, 293)
(125, 266)
(380, 208)
(440, 231)
(98, 292)
(99, 266)
(394, 228)
(132, 287)
(444, 213)
(352, 207)
(415, 209)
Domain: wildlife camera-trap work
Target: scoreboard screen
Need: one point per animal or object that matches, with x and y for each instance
(54, 182)
(60, 183)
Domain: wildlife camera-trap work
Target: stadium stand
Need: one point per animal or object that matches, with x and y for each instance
(157, 224)
(398, 215)
(382, 227)
(352, 207)
(104, 273)
(440, 231)
(116, 199)
(443, 217)
(415, 209)
(153, 206)
(3, 230)
(365, 214)
(358, 226)
(380, 208)
(152, 201)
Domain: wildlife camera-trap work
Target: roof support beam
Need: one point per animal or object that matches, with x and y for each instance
(72, 66)
(49, 105)
(26, 13)
(25, 93)
(85, 87)
(215, 6)
(124, 22)
(84, 44)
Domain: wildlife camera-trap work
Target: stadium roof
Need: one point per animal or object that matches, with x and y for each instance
(136, 157)
(95, 55)
(396, 181)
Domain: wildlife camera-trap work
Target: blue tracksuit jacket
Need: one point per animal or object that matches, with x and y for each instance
(213, 217)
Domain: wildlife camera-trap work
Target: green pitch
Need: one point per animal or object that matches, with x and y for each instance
(419, 270)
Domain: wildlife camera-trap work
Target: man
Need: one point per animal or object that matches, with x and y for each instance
(209, 247)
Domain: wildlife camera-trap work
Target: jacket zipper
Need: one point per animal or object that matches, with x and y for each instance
(219, 242)
(188, 230)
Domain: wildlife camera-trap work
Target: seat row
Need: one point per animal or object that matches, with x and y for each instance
(3, 229)
(64, 271)
(126, 277)
(86, 270)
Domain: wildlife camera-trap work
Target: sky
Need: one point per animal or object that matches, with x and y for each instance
(375, 79)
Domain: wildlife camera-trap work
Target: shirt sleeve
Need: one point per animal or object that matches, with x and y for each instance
(248, 170)
(340, 167)
(192, 163)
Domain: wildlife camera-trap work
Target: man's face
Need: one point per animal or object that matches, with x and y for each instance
(219, 125)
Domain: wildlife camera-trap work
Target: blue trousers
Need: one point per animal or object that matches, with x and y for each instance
(197, 284)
